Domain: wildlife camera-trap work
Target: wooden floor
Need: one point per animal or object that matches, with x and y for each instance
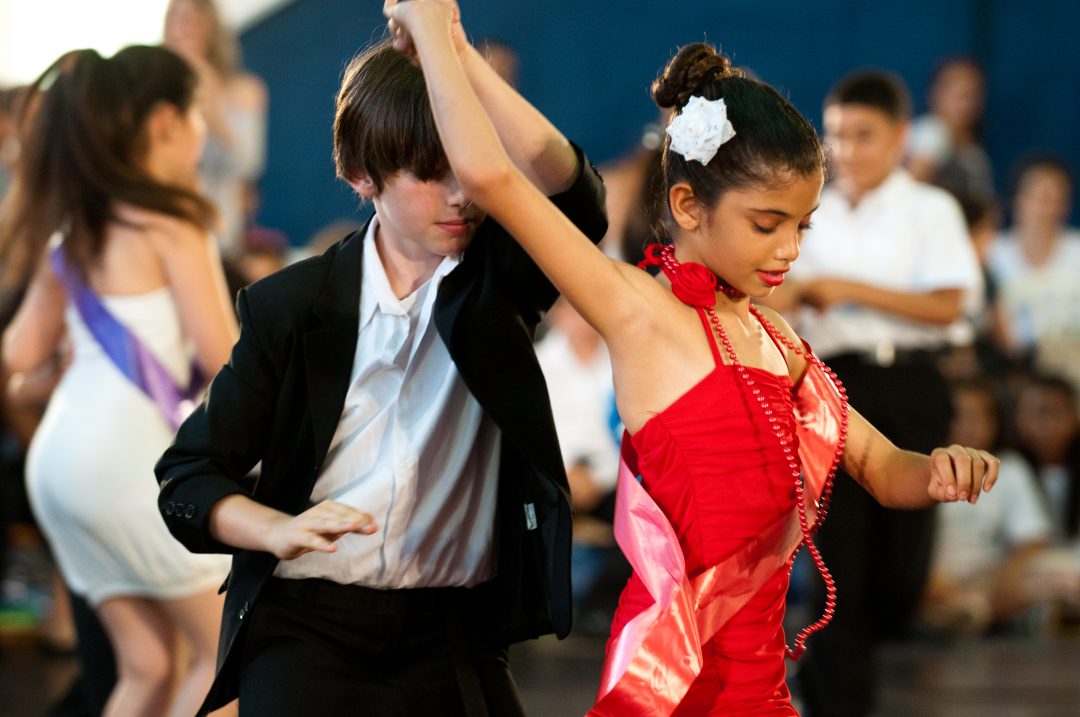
(993, 678)
(990, 678)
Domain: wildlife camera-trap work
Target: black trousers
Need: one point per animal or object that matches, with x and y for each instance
(878, 557)
(318, 648)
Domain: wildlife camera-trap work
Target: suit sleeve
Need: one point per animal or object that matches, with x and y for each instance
(583, 204)
(219, 444)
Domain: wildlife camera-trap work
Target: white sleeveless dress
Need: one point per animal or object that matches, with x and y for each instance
(90, 468)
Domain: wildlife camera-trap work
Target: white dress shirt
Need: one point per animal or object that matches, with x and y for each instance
(904, 236)
(413, 448)
(1041, 302)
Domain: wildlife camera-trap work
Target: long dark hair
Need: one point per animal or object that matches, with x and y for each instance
(771, 138)
(82, 134)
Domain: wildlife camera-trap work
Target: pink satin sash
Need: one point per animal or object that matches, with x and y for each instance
(657, 656)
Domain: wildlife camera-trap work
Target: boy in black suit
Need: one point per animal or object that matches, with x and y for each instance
(411, 519)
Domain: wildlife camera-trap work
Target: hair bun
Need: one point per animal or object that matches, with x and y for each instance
(691, 68)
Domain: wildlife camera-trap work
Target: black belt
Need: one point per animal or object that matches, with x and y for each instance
(451, 601)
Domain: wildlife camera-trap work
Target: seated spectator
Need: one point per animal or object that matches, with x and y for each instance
(1036, 261)
(982, 565)
(1048, 432)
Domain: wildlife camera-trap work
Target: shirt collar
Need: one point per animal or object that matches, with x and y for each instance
(375, 291)
(896, 182)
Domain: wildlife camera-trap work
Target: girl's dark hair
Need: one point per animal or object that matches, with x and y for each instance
(383, 121)
(771, 137)
(82, 138)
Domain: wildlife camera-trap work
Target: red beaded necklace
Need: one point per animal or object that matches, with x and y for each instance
(696, 285)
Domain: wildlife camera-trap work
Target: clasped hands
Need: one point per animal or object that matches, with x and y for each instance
(405, 18)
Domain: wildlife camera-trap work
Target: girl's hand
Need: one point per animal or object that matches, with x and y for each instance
(316, 529)
(405, 18)
(961, 473)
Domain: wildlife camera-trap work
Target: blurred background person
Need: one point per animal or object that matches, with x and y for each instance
(1048, 435)
(984, 570)
(9, 141)
(944, 145)
(634, 185)
(577, 370)
(234, 104)
(105, 214)
(502, 57)
(885, 271)
(1035, 264)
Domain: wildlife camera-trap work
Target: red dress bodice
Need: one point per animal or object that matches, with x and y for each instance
(712, 463)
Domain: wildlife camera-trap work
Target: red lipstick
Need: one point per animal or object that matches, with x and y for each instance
(772, 278)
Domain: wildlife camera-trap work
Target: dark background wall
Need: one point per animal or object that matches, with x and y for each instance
(588, 67)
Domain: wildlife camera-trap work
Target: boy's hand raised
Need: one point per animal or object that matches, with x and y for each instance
(406, 16)
(316, 529)
(961, 473)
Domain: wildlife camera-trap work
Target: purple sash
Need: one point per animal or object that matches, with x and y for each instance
(125, 350)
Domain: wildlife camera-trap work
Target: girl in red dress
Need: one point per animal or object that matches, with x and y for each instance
(725, 407)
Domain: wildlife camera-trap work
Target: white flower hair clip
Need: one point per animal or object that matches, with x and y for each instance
(698, 131)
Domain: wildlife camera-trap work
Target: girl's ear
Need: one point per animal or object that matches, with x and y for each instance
(363, 185)
(685, 208)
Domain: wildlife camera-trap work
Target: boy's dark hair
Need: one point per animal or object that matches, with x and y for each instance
(880, 89)
(771, 136)
(383, 122)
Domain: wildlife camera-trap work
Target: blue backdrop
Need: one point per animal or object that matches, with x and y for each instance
(588, 67)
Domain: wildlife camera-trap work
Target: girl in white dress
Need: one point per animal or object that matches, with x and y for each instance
(108, 166)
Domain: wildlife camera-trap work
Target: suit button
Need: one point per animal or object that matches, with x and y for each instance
(243, 611)
(189, 512)
(170, 508)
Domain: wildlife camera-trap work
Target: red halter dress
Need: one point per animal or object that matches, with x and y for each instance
(718, 462)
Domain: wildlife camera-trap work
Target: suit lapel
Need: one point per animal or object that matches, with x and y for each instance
(330, 343)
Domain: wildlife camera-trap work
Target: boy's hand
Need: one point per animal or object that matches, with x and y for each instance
(406, 16)
(316, 529)
(961, 473)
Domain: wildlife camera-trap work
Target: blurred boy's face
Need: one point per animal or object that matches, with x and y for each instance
(865, 146)
(423, 221)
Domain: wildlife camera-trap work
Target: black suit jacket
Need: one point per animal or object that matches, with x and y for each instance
(281, 395)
